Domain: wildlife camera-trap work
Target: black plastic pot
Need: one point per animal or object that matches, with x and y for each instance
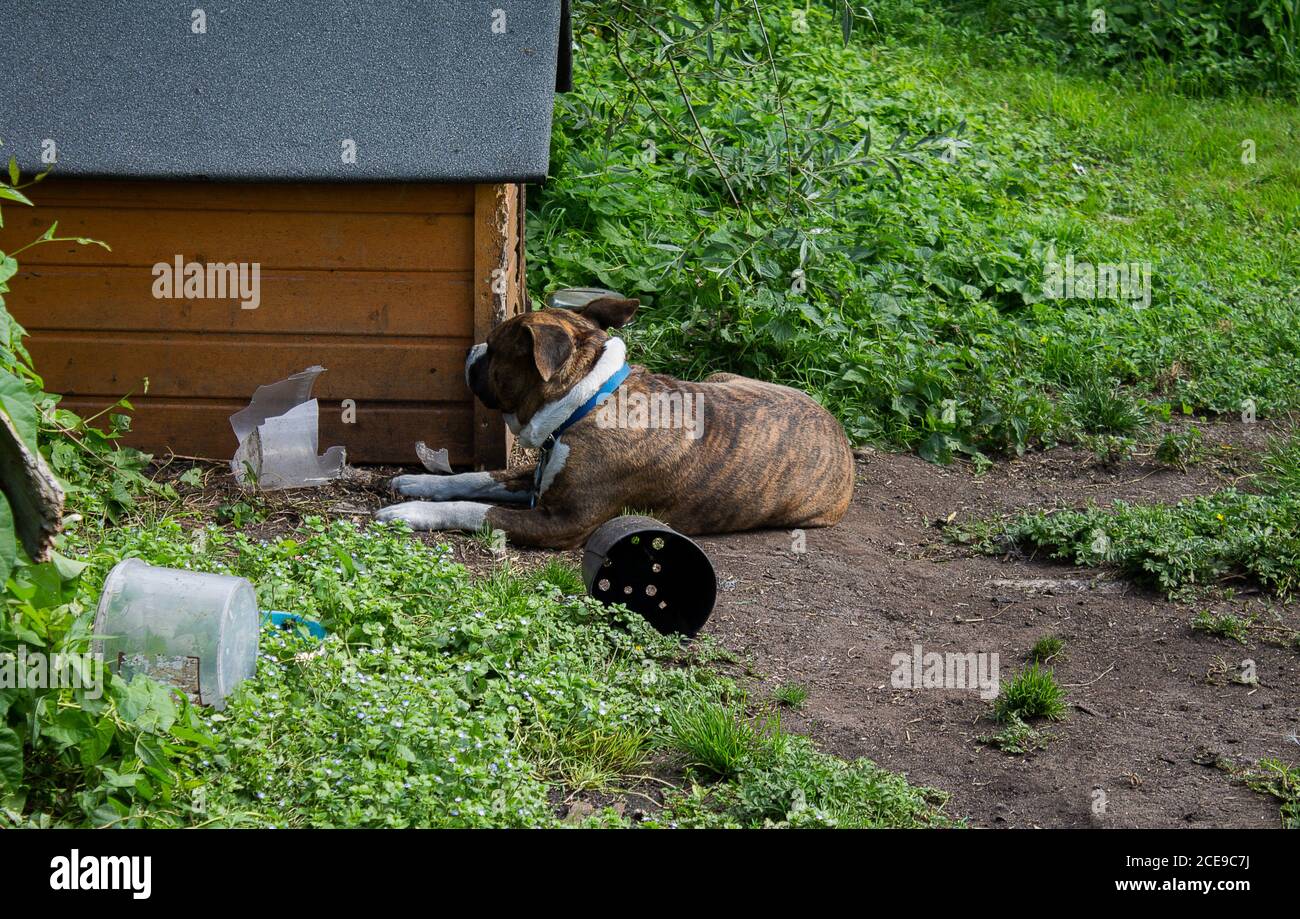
(653, 570)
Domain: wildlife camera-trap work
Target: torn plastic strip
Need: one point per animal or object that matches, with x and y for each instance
(279, 435)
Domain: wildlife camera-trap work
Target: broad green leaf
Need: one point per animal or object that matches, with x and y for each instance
(8, 540)
(11, 759)
(93, 747)
(68, 568)
(124, 780)
(70, 728)
(16, 402)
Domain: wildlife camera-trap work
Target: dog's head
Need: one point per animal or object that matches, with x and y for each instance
(538, 356)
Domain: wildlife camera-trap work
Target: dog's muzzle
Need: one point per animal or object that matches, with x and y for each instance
(476, 374)
(472, 358)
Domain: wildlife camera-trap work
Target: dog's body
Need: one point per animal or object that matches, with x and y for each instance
(726, 454)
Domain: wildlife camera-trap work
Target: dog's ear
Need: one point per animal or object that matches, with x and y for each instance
(552, 347)
(610, 312)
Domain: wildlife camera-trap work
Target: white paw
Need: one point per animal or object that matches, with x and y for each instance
(473, 486)
(416, 486)
(437, 515)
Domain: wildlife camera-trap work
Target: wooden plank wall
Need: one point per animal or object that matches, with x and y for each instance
(377, 283)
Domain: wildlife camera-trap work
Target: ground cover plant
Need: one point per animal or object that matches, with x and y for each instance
(1224, 625)
(790, 694)
(1017, 738)
(449, 699)
(1208, 541)
(1046, 648)
(1280, 781)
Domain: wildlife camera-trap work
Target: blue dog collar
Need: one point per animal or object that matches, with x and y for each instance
(582, 411)
(601, 394)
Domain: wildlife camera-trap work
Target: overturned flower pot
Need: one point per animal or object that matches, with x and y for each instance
(653, 570)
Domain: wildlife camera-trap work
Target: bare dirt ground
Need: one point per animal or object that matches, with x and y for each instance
(1156, 719)
(1154, 705)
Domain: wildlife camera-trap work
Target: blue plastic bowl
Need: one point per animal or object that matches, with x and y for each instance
(288, 620)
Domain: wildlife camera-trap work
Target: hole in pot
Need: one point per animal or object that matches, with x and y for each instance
(603, 584)
(651, 590)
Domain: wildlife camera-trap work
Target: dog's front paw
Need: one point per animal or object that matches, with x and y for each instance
(436, 515)
(414, 486)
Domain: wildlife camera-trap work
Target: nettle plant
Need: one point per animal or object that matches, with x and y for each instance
(104, 751)
(101, 478)
(722, 162)
(799, 202)
(1201, 46)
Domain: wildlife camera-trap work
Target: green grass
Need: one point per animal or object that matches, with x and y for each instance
(791, 694)
(1175, 548)
(1199, 47)
(1046, 648)
(444, 698)
(1104, 410)
(590, 758)
(489, 540)
(875, 231)
(562, 576)
(721, 739)
(1182, 449)
(637, 512)
(1032, 693)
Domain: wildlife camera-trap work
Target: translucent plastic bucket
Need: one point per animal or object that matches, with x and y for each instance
(197, 632)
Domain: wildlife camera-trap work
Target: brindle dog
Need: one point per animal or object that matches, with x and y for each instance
(727, 454)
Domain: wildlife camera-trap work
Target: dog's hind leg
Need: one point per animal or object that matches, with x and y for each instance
(538, 527)
(549, 528)
(508, 486)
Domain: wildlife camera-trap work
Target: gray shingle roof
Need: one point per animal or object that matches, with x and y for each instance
(427, 89)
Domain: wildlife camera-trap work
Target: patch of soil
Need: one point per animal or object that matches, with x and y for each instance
(1154, 708)
(638, 798)
(1155, 720)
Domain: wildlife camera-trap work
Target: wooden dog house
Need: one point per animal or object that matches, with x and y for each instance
(369, 159)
